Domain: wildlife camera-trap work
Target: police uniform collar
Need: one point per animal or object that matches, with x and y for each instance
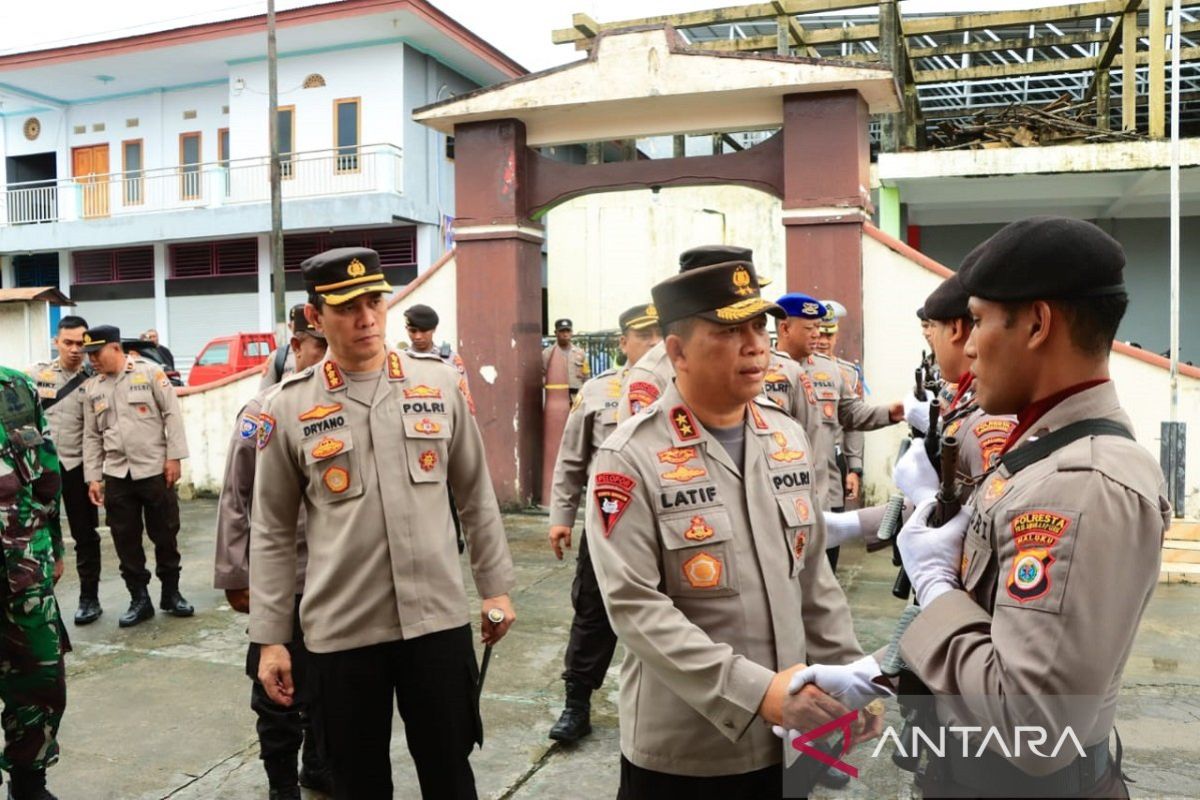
(687, 431)
(332, 375)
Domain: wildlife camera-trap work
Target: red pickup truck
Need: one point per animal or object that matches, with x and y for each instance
(226, 355)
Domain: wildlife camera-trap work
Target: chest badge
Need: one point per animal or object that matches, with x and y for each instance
(699, 530)
(422, 391)
(427, 460)
(426, 425)
(327, 447)
(703, 571)
(320, 411)
(785, 455)
(337, 479)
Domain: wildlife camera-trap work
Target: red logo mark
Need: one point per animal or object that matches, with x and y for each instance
(842, 723)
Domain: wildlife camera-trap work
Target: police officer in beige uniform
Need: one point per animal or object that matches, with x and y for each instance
(1033, 605)
(60, 389)
(851, 442)
(838, 407)
(646, 380)
(708, 545)
(368, 441)
(981, 436)
(281, 729)
(593, 417)
(133, 441)
(578, 369)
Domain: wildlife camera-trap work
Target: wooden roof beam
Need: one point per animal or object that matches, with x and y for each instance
(1021, 43)
(1008, 19)
(1046, 67)
(713, 16)
(1111, 47)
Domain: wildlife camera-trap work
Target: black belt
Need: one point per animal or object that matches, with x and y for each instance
(993, 775)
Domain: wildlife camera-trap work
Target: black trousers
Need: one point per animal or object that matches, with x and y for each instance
(432, 679)
(84, 518)
(282, 729)
(592, 641)
(646, 784)
(126, 503)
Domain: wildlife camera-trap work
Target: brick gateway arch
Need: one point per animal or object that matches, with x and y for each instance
(641, 82)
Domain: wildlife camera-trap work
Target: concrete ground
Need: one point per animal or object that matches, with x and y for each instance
(162, 710)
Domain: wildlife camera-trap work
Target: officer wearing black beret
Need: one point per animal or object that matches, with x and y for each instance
(1065, 535)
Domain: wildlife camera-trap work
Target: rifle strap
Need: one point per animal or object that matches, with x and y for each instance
(67, 388)
(1017, 460)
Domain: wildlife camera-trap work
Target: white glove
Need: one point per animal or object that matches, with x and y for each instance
(841, 527)
(916, 413)
(915, 476)
(932, 556)
(850, 684)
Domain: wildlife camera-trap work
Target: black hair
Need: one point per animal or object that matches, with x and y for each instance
(1093, 321)
(72, 322)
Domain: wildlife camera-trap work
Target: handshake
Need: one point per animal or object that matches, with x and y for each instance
(821, 693)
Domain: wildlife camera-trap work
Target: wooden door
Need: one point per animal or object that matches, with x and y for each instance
(89, 166)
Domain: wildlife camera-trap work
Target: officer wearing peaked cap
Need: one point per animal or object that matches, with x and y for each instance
(133, 442)
(1032, 601)
(707, 541)
(592, 418)
(645, 381)
(281, 730)
(368, 441)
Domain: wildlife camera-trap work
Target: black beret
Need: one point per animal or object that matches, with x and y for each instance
(921, 314)
(300, 322)
(948, 301)
(95, 338)
(342, 274)
(722, 293)
(1045, 258)
(421, 317)
(639, 317)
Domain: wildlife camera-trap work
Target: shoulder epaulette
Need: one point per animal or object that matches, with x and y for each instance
(296, 377)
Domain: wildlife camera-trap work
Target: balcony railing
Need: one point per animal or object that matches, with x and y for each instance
(316, 173)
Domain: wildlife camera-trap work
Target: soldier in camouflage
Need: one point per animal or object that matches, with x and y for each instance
(32, 681)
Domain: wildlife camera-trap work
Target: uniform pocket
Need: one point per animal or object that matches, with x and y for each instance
(426, 442)
(698, 555)
(797, 512)
(332, 468)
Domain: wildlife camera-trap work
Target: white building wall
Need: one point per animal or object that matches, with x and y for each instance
(373, 74)
(605, 251)
(132, 316)
(23, 339)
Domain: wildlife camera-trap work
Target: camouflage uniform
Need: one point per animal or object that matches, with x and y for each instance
(32, 682)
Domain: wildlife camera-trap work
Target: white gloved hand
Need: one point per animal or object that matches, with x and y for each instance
(841, 527)
(916, 413)
(850, 684)
(915, 476)
(932, 556)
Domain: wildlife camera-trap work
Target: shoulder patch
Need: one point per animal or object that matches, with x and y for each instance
(757, 417)
(333, 376)
(266, 427)
(1035, 534)
(641, 394)
(248, 426)
(613, 492)
(395, 368)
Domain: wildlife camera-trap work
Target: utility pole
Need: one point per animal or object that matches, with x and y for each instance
(277, 279)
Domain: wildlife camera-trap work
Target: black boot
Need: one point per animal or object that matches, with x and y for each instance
(575, 721)
(172, 601)
(89, 605)
(28, 784)
(140, 608)
(281, 777)
(314, 772)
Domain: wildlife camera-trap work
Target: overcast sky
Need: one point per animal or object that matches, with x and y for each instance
(521, 28)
